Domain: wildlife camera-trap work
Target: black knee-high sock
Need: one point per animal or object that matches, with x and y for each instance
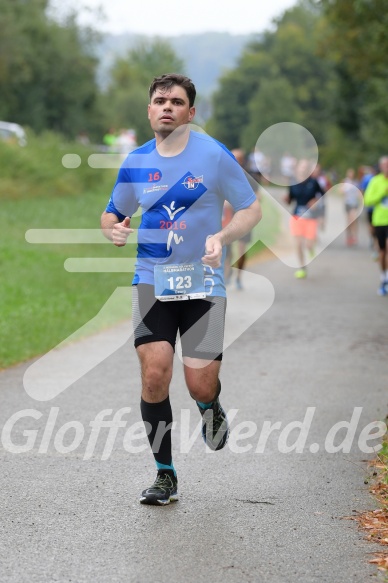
(158, 417)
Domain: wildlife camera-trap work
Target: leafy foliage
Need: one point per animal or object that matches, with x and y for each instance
(358, 35)
(357, 42)
(279, 78)
(36, 171)
(47, 72)
(324, 67)
(374, 523)
(127, 95)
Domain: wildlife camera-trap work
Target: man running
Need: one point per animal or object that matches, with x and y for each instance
(180, 180)
(304, 224)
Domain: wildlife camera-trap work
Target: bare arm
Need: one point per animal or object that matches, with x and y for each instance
(242, 223)
(115, 230)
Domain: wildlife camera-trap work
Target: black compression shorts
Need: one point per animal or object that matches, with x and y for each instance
(381, 234)
(200, 322)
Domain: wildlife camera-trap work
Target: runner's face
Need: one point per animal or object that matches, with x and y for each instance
(384, 166)
(169, 110)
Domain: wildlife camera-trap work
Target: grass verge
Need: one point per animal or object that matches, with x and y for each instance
(268, 230)
(41, 303)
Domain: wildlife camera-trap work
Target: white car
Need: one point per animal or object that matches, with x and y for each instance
(12, 132)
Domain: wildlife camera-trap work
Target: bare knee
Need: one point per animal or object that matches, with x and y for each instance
(156, 373)
(203, 382)
(203, 394)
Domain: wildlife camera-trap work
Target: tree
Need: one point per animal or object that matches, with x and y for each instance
(357, 42)
(274, 102)
(280, 75)
(127, 95)
(358, 35)
(237, 88)
(47, 71)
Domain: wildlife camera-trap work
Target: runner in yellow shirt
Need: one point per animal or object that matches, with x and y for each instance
(376, 195)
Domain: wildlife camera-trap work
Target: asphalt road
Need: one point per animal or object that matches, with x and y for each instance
(254, 512)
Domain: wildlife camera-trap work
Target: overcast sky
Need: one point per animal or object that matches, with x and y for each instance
(175, 17)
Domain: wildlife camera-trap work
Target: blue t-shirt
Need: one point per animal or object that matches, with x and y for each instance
(363, 185)
(365, 181)
(181, 200)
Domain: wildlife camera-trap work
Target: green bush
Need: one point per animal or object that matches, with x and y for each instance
(36, 170)
(42, 303)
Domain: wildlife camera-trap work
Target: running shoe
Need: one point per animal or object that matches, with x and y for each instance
(215, 428)
(163, 491)
(383, 291)
(300, 274)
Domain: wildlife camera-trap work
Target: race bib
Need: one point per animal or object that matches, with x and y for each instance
(179, 282)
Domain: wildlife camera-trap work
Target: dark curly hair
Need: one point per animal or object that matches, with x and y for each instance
(166, 82)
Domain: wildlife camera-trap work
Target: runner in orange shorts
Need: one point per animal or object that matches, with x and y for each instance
(306, 192)
(302, 227)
